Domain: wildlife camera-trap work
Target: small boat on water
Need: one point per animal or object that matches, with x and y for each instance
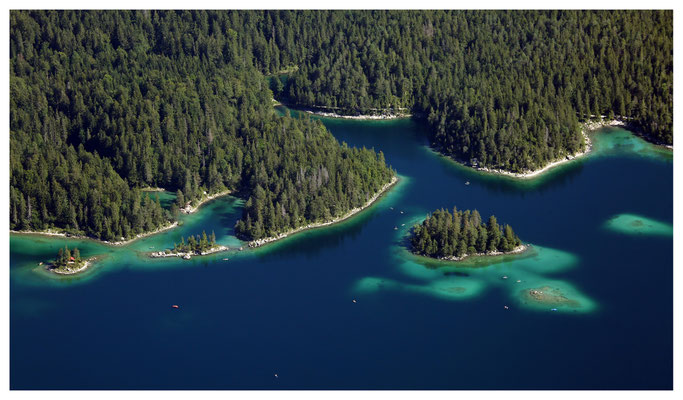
(175, 306)
(467, 183)
(354, 300)
(506, 307)
(225, 259)
(505, 276)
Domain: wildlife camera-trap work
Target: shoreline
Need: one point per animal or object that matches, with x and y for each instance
(189, 208)
(586, 127)
(552, 164)
(517, 250)
(186, 255)
(85, 266)
(349, 214)
(141, 235)
(67, 235)
(365, 117)
(382, 115)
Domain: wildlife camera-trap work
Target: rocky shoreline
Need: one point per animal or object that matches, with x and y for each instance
(517, 250)
(586, 127)
(189, 208)
(69, 271)
(333, 112)
(188, 255)
(141, 235)
(261, 242)
(51, 232)
(386, 116)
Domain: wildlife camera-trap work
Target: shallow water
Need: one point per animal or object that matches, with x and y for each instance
(166, 198)
(287, 308)
(638, 225)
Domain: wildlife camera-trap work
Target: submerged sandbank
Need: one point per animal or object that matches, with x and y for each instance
(516, 275)
(633, 224)
(261, 242)
(555, 296)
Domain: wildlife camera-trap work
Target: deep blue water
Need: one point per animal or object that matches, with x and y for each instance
(287, 308)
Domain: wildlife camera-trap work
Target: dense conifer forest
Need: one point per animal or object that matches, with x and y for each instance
(504, 89)
(104, 103)
(446, 235)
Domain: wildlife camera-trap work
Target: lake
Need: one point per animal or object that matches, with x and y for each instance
(600, 230)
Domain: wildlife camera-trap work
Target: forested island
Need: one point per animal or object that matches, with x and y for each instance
(104, 103)
(68, 262)
(195, 246)
(454, 236)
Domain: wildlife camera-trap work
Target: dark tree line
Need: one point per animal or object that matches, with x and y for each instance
(64, 257)
(461, 233)
(506, 89)
(195, 244)
(106, 102)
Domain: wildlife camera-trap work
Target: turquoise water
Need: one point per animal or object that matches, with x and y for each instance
(417, 323)
(638, 225)
(166, 198)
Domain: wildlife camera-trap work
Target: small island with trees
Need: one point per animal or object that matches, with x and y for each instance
(195, 246)
(455, 236)
(69, 262)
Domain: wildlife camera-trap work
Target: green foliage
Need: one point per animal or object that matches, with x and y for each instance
(106, 102)
(195, 244)
(64, 257)
(443, 234)
(502, 89)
